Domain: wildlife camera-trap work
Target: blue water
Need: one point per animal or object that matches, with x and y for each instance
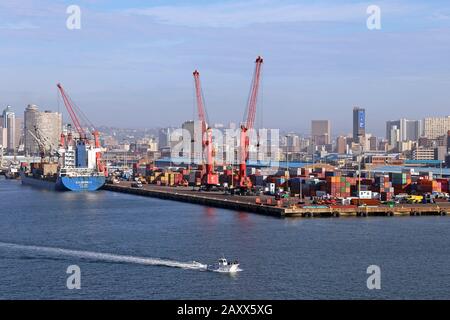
(281, 259)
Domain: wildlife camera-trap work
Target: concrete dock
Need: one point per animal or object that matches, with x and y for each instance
(248, 204)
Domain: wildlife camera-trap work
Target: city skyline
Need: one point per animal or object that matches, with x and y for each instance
(319, 59)
(402, 124)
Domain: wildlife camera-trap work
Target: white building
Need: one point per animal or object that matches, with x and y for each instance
(9, 122)
(436, 127)
(3, 137)
(423, 154)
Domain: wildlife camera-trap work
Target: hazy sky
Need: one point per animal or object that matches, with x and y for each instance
(131, 63)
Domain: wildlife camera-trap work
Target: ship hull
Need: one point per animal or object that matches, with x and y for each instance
(91, 183)
(39, 183)
(66, 183)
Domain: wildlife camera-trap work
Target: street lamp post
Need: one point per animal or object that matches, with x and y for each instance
(301, 188)
(360, 158)
(287, 166)
(359, 182)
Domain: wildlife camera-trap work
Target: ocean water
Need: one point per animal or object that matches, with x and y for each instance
(130, 247)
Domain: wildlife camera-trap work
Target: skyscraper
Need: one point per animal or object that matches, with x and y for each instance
(321, 132)
(9, 122)
(436, 127)
(164, 137)
(410, 130)
(359, 123)
(195, 133)
(3, 137)
(448, 142)
(292, 142)
(394, 137)
(341, 144)
(48, 123)
(373, 143)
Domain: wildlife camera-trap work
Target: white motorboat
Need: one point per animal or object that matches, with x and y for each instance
(227, 267)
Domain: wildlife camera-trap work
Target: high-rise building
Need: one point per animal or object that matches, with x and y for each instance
(448, 142)
(373, 143)
(436, 127)
(321, 132)
(48, 123)
(394, 137)
(292, 142)
(195, 132)
(341, 145)
(9, 122)
(359, 123)
(410, 130)
(440, 152)
(383, 145)
(164, 138)
(3, 138)
(390, 125)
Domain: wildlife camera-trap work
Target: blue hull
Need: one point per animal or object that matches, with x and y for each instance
(66, 183)
(80, 183)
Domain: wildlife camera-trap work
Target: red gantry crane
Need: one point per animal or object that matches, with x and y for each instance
(71, 109)
(244, 182)
(210, 178)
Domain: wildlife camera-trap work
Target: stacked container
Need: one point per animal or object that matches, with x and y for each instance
(401, 182)
(444, 184)
(428, 186)
(339, 187)
(384, 187)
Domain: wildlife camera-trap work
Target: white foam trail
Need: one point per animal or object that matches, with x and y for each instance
(107, 256)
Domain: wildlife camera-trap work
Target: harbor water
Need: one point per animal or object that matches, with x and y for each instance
(131, 247)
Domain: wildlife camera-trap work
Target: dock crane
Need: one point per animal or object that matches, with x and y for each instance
(71, 109)
(244, 183)
(210, 178)
(46, 148)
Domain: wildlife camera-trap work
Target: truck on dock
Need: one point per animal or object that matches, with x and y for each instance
(414, 199)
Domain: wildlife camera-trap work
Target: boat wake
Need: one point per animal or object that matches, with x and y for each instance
(108, 257)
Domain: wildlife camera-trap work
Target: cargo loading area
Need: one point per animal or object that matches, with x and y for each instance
(280, 208)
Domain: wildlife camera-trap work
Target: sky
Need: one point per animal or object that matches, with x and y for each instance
(131, 63)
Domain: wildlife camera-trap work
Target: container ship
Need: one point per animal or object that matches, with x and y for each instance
(74, 165)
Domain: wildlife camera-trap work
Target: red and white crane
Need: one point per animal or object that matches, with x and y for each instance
(244, 182)
(210, 178)
(72, 110)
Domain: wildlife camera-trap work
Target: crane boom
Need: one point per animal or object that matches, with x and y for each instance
(253, 98)
(248, 124)
(200, 101)
(70, 109)
(210, 177)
